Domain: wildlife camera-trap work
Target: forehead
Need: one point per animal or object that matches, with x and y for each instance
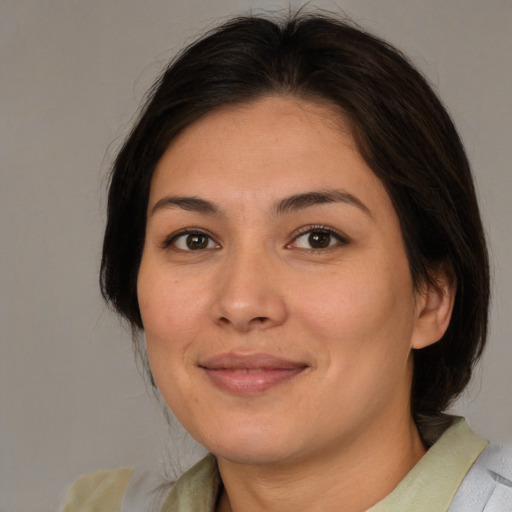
(264, 150)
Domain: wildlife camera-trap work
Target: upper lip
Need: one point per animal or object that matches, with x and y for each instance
(232, 361)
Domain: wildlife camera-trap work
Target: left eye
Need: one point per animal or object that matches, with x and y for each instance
(194, 242)
(316, 239)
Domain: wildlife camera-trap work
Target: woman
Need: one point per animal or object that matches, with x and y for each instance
(292, 224)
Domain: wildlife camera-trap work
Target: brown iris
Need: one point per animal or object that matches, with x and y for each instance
(196, 241)
(319, 240)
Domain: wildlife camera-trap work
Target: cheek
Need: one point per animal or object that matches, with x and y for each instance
(166, 302)
(172, 312)
(364, 314)
(364, 328)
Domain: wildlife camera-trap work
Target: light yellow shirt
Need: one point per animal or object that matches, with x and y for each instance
(429, 487)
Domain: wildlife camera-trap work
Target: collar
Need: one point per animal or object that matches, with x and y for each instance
(432, 483)
(429, 487)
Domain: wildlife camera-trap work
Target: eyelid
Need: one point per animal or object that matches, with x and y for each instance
(170, 239)
(341, 237)
(303, 230)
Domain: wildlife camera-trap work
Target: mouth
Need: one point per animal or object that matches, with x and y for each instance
(250, 374)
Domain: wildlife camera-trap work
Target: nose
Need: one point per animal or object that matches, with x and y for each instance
(249, 295)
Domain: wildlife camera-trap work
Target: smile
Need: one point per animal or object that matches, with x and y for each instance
(250, 374)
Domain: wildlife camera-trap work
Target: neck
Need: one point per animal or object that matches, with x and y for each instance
(351, 478)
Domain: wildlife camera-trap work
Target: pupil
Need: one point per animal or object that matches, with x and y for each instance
(319, 240)
(196, 242)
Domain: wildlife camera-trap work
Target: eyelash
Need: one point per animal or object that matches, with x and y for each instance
(170, 240)
(340, 238)
(305, 230)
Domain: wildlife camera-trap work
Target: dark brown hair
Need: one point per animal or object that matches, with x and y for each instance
(401, 128)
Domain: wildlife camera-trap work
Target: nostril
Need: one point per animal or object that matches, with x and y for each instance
(258, 320)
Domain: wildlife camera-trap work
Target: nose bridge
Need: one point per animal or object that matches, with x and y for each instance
(249, 295)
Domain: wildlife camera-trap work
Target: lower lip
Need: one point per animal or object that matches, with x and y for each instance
(241, 381)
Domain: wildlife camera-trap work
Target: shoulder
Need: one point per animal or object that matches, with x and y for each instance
(100, 491)
(487, 486)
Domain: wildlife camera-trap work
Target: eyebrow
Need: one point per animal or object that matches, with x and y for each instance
(289, 204)
(308, 199)
(192, 204)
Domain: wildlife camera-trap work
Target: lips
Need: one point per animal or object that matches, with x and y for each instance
(250, 374)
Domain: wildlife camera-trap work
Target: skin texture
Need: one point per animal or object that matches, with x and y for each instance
(338, 433)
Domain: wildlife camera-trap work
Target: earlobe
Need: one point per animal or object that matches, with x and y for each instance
(434, 308)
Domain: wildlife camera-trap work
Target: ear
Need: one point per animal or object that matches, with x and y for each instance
(434, 306)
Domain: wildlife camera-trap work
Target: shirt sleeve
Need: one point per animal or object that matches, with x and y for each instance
(101, 491)
(488, 484)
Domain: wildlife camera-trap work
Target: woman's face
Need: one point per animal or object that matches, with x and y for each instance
(274, 287)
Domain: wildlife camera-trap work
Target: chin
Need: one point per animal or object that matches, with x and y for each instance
(251, 443)
(252, 453)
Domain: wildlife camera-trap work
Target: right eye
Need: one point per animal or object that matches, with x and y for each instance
(192, 241)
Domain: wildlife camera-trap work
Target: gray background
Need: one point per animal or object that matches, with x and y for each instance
(72, 73)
